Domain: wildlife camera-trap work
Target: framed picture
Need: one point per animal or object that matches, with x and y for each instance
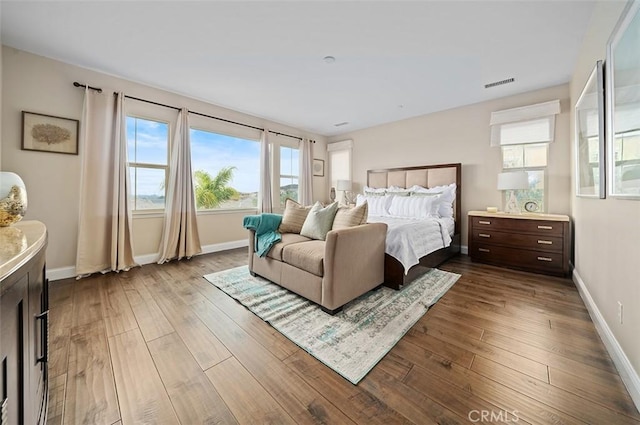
(318, 167)
(589, 137)
(623, 105)
(47, 133)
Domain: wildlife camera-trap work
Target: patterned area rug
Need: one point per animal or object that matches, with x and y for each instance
(353, 341)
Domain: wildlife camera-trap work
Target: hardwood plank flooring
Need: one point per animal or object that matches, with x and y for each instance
(160, 344)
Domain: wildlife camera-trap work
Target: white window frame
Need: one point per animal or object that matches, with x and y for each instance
(332, 149)
(544, 169)
(278, 176)
(133, 166)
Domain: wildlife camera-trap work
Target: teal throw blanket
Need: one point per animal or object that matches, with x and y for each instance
(266, 228)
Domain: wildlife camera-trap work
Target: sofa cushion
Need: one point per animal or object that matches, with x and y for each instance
(319, 221)
(349, 217)
(293, 217)
(287, 239)
(308, 256)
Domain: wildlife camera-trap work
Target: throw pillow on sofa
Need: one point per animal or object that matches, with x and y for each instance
(293, 217)
(349, 217)
(319, 221)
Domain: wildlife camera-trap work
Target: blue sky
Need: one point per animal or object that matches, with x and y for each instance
(147, 143)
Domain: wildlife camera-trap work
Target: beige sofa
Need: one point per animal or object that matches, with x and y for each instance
(329, 272)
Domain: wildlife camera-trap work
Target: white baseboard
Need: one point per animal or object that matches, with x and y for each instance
(70, 271)
(628, 374)
(61, 273)
(224, 246)
(464, 249)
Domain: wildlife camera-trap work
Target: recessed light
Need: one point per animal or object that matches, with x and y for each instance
(329, 59)
(340, 124)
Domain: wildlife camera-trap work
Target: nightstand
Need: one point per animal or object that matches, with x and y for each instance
(539, 243)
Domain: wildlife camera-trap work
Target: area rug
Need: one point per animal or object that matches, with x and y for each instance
(353, 341)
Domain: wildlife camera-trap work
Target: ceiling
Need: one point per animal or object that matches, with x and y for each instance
(394, 60)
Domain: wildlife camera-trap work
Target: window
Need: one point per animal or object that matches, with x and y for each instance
(148, 151)
(289, 173)
(531, 158)
(340, 166)
(524, 135)
(226, 171)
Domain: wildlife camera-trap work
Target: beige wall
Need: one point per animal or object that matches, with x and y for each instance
(462, 135)
(37, 84)
(607, 232)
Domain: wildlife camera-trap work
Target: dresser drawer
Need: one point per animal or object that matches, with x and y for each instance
(551, 262)
(517, 240)
(538, 227)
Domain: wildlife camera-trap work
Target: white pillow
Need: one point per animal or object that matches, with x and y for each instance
(444, 202)
(377, 205)
(412, 206)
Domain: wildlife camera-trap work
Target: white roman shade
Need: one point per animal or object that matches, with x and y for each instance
(527, 124)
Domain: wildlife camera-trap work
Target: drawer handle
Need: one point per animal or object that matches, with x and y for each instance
(545, 227)
(545, 242)
(544, 259)
(484, 235)
(42, 352)
(484, 250)
(483, 222)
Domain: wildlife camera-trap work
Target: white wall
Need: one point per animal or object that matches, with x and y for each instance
(607, 231)
(37, 84)
(462, 135)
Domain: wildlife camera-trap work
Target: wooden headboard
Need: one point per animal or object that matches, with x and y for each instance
(425, 176)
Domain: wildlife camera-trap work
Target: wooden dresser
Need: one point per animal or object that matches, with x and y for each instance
(23, 338)
(539, 243)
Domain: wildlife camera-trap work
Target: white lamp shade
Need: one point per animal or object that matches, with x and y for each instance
(343, 185)
(513, 180)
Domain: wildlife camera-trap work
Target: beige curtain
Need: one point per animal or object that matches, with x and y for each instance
(305, 187)
(180, 232)
(266, 203)
(104, 224)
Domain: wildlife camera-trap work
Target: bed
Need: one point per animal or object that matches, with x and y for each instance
(427, 176)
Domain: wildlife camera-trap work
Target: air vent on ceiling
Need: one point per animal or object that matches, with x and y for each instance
(340, 124)
(499, 83)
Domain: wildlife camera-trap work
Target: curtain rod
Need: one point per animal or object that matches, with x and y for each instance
(84, 86)
(277, 133)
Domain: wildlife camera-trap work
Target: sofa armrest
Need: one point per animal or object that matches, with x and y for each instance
(353, 263)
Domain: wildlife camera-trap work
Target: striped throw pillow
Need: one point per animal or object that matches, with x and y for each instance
(293, 217)
(349, 217)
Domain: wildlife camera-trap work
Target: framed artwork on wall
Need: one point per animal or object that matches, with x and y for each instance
(623, 105)
(318, 167)
(589, 137)
(48, 133)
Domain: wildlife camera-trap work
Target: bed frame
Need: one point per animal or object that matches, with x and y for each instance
(426, 176)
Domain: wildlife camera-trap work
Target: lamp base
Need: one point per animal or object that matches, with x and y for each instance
(512, 205)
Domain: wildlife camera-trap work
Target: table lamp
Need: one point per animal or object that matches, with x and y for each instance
(513, 180)
(344, 186)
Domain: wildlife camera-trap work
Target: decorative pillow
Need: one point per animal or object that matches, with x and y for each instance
(412, 206)
(378, 205)
(349, 217)
(319, 221)
(398, 191)
(372, 191)
(293, 217)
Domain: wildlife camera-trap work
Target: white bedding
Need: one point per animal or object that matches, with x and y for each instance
(410, 239)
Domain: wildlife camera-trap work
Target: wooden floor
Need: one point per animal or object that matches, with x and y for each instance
(159, 344)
